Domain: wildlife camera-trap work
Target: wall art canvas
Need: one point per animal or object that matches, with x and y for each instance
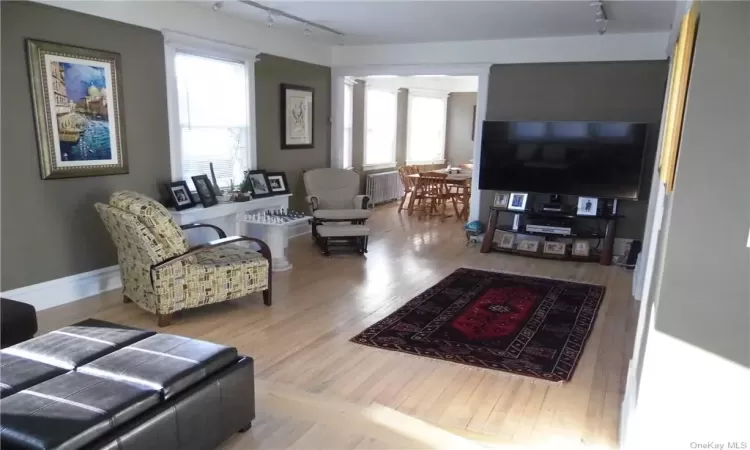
(77, 98)
(296, 116)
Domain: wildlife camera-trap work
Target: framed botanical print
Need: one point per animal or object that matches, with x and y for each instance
(297, 121)
(77, 99)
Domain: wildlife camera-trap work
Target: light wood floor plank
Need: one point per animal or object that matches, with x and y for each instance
(316, 389)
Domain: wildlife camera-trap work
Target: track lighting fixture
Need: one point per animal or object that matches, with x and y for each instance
(273, 13)
(217, 6)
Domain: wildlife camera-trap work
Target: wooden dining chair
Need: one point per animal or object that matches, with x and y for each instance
(461, 197)
(432, 195)
(409, 183)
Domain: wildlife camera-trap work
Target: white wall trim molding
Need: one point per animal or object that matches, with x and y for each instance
(609, 47)
(183, 17)
(67, 289)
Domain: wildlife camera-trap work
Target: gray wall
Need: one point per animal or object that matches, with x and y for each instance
(618, 91)
(50, 228)
(270, 72)
(459, 146)
(704, 297)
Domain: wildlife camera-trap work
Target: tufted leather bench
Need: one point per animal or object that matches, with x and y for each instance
(98, 385)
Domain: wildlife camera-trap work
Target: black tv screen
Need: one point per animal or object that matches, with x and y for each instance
(593, 159)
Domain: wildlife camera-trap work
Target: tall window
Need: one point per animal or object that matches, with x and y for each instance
(380, 120)
(213, 118)
(426, 128)
(348, 123)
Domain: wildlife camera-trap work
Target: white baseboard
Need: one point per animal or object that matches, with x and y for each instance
(68, 289)
(628, 406)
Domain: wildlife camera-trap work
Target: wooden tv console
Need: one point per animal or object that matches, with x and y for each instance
(603, 256)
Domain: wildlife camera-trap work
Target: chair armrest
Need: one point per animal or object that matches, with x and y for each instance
(361, 202)
(264, 249)
(313, 202)
(218, 230)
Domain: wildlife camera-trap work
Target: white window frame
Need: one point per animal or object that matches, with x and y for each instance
(347, 161)
(392, 162)
(183, 43)
(430, 94)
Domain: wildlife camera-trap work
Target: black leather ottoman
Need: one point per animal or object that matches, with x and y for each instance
(98, 385)
(17, 322)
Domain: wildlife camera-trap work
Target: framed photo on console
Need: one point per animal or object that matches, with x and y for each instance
(528, 246)
(588, 206)
(507, 240)
(277, 182)
(554, 248)
(205, 192)
(501, 200)
(581, 249)
(180, 195)
(518, 201)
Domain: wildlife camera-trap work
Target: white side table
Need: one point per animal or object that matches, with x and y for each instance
(275, 233)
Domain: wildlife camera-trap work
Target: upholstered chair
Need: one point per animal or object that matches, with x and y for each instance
(333, 196)
(162, 275)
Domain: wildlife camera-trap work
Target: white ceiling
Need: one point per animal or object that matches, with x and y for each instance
(400, 21)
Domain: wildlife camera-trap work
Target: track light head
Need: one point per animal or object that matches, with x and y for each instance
(271, 20)
(217, 6)
(308, 32)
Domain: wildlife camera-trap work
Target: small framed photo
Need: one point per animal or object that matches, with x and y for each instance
(507, 240)
(277, 182)
(554, 248)
(587, 206)
(501, 200)
(205, 192)
(581, 248)
(518, 201)
(180, 194)
(256, 181)
(528, 246)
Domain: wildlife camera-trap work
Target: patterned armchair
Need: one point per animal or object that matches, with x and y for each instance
(333, 195)
(162, 275)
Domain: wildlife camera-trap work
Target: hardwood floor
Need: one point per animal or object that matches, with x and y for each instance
(315, 389)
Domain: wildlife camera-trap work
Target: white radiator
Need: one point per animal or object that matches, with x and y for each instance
(384, 187)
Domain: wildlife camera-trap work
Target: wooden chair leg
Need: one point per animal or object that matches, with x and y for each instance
(403, 200)
(163, 320)
(412, 198)
(126, 299)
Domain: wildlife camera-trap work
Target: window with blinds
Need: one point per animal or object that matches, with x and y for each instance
(213, 114)
(380, 119)
(426, 128)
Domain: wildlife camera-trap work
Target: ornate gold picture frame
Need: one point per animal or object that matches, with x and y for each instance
(682, 60)
(77, 95)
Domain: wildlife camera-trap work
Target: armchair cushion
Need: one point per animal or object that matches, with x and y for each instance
(209, 276)
(334, 188)
(155, 217)
(342, 214)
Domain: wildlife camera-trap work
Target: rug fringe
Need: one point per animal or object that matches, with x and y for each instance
(494, 372)
(531, 275)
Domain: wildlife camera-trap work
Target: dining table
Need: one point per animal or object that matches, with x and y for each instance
(456, 177)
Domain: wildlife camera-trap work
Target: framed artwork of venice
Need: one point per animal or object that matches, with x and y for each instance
(77, 98)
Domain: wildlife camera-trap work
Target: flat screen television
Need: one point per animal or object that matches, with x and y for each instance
(592, 159)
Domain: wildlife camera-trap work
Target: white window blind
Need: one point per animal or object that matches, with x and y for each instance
(213, 114)
(426, 128)
(348, 124)
(380, 118)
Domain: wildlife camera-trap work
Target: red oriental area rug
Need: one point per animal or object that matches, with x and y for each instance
(513, 323)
